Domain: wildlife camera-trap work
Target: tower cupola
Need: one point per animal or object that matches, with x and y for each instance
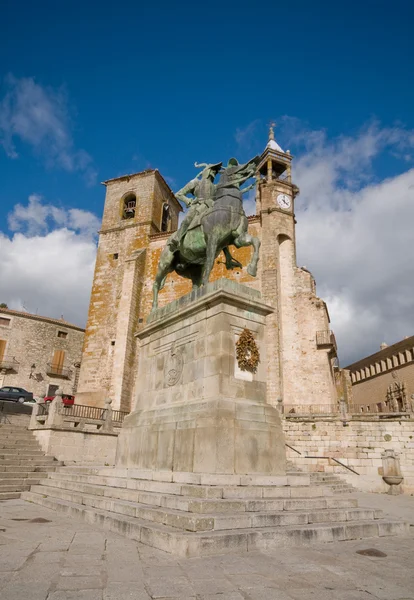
(274, 163)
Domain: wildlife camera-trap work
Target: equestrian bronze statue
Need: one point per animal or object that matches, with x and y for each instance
(215, 220)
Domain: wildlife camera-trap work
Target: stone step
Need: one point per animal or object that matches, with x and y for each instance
(198, 505)
(5, 476)
(46, 468)
(15, 488)
(9, 495)
(187, 544)
(17, 438)
(196, 491)
(15, 469)
(292, 479)
(34, 460)
(13, 442)
(20, 453)
(205, 522)
(14, 429)
(33, 480)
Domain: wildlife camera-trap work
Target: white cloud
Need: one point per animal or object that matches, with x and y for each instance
(48, 264)
(249, 202)
(39, 116)
(355, 233)
(245, 136)
(37, 218)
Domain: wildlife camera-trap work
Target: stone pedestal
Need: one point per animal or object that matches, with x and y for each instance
(196, 411)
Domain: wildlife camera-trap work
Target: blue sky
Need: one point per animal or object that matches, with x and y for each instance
(93, 90)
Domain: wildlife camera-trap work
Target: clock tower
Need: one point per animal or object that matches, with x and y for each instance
(294, 360)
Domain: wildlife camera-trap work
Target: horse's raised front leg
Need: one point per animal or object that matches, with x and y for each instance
(245, 239)
(164, 267)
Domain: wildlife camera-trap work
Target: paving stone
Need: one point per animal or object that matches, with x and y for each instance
(75, 595)
(171, 587)
(266, 593)
(319, 572)
(125, 591)
(79, 583)
(225, 596)
(22, 589)
(212, 585)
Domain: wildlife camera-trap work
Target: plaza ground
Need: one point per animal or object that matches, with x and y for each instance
(47, 556)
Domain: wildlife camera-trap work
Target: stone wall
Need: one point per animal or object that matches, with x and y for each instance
(33, 340)
(359, 445)
(78, 446)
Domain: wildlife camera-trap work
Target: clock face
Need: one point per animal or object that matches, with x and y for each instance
(283, 200)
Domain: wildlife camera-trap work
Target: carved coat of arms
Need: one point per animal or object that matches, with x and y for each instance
(174, 365)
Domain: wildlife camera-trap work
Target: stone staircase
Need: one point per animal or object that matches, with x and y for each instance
(22, 462)
(336, 483)
(192, 514)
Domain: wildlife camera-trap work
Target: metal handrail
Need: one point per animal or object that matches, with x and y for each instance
(324, 457)
(335, 460)
(118, 416)
(85, 412)
(294, 449)
(95, 413)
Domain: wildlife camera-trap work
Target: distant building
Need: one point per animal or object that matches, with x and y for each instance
(384, 381)
(39, 354)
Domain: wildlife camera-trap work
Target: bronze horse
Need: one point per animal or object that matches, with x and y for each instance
(222, 225)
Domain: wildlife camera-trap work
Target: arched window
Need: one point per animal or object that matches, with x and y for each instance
(165, 216)
(129, 206)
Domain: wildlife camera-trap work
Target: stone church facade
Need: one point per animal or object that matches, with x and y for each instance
(384, 381)
(140, 213)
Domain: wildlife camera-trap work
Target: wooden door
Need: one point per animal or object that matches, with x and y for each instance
(2, 349)
(58, 360)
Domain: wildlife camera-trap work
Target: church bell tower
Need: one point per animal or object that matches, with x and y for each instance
(299, 369)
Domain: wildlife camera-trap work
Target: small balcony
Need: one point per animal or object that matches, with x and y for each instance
(326, 339)
(54, 370)
(9, 363)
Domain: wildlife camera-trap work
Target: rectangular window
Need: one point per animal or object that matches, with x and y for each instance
(2, 349)
(57, 362)
(63, 334)
(5, 322)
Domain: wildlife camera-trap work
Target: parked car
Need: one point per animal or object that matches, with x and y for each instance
(68, 400)
(15, 394)
(30, 401)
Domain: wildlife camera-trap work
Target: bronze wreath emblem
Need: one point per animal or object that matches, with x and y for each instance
(247, 352)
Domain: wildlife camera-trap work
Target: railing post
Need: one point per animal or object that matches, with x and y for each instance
(107, 424)
(54, 418)
(280, 405)
(33, 417)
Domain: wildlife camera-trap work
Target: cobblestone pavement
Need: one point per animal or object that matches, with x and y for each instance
(46, 556)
